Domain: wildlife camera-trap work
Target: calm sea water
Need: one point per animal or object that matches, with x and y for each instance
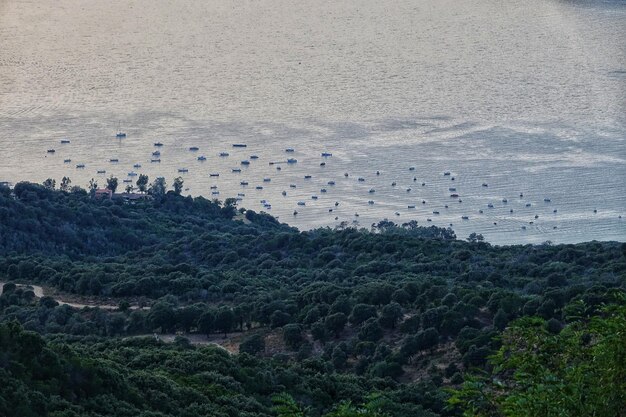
(524, 96)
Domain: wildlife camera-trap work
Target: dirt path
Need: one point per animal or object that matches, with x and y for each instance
(39, 293)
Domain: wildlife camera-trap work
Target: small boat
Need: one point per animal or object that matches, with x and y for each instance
(114, 160)
(313, 197)
(326, 154)
(215, 192)
(356, 214)
(361, 179)
(183, 170)
(330, 210)
(336, 203)
(595, 210)
(292, 185)
(393, 184)
(101, 171)
(132, 174)
(554, 211)
(397, 213)
(411, 206)
(155, 160)
(236, 169)
(194, 148)
(465, 217)
(452, 179)
(272, 162)
(158, 144)
(452, 189)
(245, 162)
(480, 211)
(331, 182)
(80, 166)
(278, 169)
(156, 153)
(528, 204)
(521, 195)
(447, 173)
(370, 202)
(511, 211)
(214, 174)
(307, 177)
(546, 200)
(414, 179)
(51, 151)
(127, 180)
(202, 158)
(241, 195)
(423, 201)
(223, 153)
(65, 141)
(243, 183)
(446, 206)
(490, 205)
(429, 219)
(292, 161)
(504, 200)
(408, 190)
(301, 203)
(411, 168)
(289, 150)
(67, 161)
(435, 212)
(423, 184)
(523, 227)
(323, 190)
(213, 187)
(322, 164)
(267, 179)
(254, 157)
(536, 216)
(239, 145)
(137, 166)
(372, 190)
(485, 184)
(454, 195)
(345, 174)
(284, 193)
(119, 133)
(295, 212)
(377, 172)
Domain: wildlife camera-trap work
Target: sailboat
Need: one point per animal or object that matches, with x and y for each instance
(119, 133)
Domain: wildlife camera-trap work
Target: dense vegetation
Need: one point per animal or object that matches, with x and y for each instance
(388, 319)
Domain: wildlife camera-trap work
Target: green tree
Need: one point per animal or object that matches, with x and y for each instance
(335, 323)
(112, 183)
(579, 371)
(93, 186)
(252, 344)
(49, 184)
(292, 335)
(158, 187)
(224, 320)
(362, 312)
(142, 183)
(178, 185)
(65, 184)
(390, 315)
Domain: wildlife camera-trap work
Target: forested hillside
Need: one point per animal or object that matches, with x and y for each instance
(393, 319)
